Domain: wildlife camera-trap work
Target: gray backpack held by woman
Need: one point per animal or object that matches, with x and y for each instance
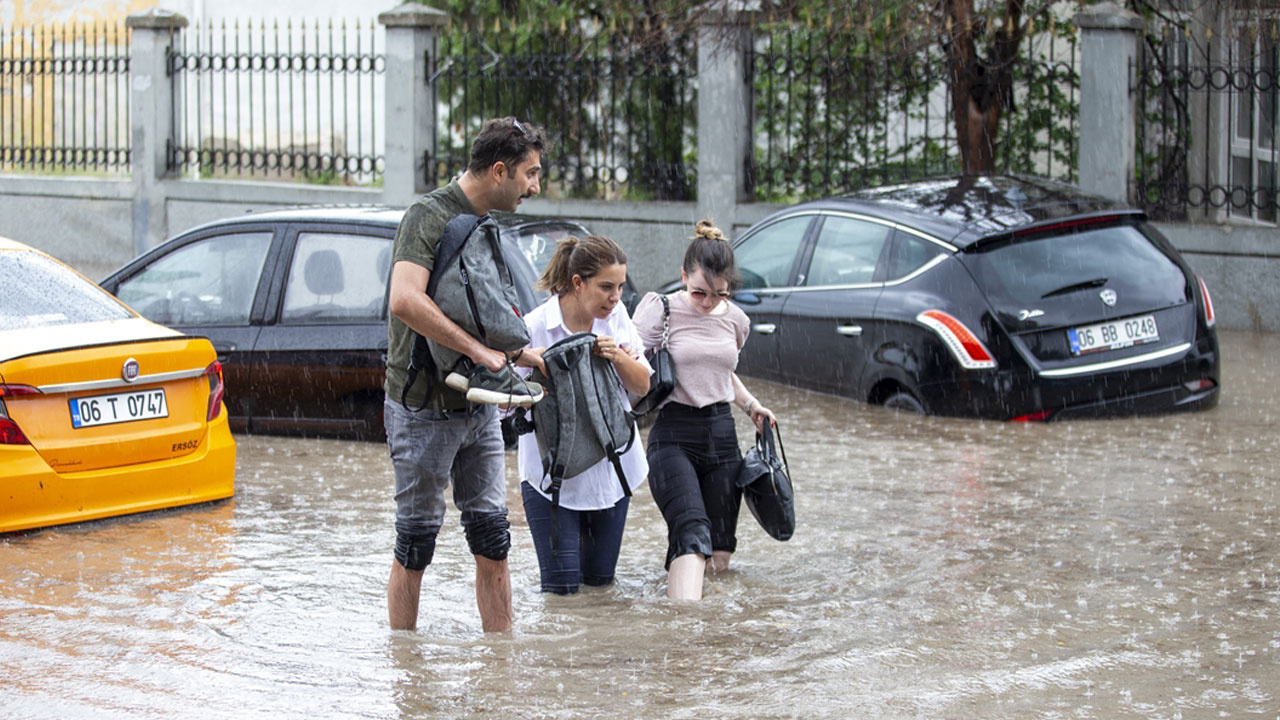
(583, 416)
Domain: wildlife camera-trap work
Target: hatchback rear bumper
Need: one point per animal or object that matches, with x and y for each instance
(1152, 388)
(37, 496)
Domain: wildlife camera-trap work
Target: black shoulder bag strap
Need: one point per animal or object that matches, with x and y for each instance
(643, 405)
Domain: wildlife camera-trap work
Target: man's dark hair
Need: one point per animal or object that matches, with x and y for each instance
(507, 141)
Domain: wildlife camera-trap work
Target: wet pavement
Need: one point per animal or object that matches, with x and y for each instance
(941, 568)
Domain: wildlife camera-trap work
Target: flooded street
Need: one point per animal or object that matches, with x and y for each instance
(941, 568)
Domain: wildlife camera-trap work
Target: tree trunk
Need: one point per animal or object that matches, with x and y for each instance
(981, 89)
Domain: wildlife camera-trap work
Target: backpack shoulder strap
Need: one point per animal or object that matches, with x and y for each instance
(597, 388)
(456, 233)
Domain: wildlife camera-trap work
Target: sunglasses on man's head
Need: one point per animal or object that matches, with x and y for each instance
(519, 128)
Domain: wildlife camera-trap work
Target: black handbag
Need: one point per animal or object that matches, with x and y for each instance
(766, 485)
(663, 380)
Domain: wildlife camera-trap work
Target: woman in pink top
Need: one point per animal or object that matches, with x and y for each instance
(693, 446)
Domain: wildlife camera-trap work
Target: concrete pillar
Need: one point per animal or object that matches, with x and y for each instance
(724, 111)
(410, 100)
(1108, 66)
(151, 119)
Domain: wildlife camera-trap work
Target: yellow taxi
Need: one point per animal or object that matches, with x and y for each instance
(102, 412)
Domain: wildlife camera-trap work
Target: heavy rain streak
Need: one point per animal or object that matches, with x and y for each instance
(941, 568)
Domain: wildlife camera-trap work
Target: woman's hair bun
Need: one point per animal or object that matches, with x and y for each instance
(705, 229)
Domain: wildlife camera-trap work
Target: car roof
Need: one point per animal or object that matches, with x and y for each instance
(962, 210)
(365, 215)
(11, 244)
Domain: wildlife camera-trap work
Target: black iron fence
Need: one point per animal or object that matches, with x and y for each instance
(293, 101)
(834, 112)
(618, 101)
(64, 99)
(1207, 127)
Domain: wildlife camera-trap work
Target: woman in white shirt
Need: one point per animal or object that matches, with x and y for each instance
(585, 278)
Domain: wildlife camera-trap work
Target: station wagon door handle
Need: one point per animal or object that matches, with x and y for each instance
(765, 328)
(222, 349)
(849, 330)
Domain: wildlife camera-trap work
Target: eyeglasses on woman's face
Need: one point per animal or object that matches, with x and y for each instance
(700, 294)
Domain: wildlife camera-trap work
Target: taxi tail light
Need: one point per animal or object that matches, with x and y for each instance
(963, 344)
(216, 389)
(16, 391)
(1209, 317)
(10, 433)
(1037, 416)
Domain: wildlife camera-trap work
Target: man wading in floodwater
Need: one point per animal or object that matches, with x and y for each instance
(442, 438)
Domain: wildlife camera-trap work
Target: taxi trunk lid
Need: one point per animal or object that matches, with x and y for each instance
(86, 415)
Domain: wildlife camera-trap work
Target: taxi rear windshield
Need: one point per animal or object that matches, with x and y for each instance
(37, 292)
(1026, 271)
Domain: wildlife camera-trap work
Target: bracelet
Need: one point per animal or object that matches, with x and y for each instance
(750, 404)
(517, 355)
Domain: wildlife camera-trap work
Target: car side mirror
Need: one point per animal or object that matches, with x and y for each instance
(746, 297)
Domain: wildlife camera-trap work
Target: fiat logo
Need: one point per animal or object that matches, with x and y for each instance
(130, 371)
(1108, 296)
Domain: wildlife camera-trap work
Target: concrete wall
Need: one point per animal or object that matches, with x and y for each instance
(1241, 267)
(87, 222)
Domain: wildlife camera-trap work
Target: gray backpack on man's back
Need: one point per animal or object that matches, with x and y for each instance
(472, 285)
(476, 290)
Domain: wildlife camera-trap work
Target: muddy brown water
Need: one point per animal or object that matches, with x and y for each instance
(942, 568)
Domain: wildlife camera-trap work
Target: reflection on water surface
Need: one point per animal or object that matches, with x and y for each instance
(942, 568)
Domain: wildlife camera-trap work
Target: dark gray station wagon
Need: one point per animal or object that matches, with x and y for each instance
(295, 303)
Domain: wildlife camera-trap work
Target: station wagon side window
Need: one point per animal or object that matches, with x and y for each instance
(765, 258)
(211, 281)
(847, 251)
(336, 277)
(909, 254)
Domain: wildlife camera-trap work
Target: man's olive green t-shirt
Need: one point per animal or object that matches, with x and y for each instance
(416, 241)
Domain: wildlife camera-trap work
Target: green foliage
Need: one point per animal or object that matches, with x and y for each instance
(609, 81)
(844, 96)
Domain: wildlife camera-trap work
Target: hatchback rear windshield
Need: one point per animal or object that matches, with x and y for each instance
(36, 291)
(1025, 271)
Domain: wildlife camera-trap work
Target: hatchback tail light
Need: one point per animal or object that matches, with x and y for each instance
(1037, 416)
(963, 344)
(216, 389)
(1209, 317)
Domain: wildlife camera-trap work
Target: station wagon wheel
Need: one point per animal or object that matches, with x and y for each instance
(904, 402)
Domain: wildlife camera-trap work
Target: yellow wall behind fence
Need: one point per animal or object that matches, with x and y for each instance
(37, 12)
(40, 30)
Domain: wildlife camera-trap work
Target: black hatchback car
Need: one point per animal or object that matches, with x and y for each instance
(295, 302)
(1009, 298)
